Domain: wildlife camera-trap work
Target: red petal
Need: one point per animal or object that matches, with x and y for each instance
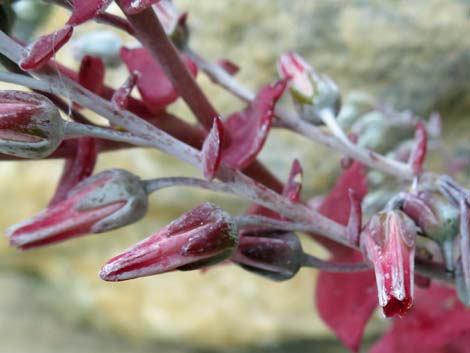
(77, 168)
(84, 10)
(44, 48)
(91, 73)
(249, 128)
(437, 323)
(345, 301)
(212, 149)
(132, 7)
(156, 90)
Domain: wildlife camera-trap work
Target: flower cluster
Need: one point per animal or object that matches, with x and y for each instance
(380, 246)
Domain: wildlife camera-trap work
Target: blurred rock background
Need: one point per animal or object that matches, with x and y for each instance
(413, 55)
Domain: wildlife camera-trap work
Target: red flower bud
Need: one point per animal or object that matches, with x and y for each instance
(30, 125)
(199, 238)
(276, 255)
(105, 201)
(388, 241)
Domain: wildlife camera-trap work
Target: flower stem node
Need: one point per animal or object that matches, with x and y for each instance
(201, 237)
(388, 241)
(108, 200)
(30, 125)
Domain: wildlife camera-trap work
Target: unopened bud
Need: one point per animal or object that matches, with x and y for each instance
(276, 255)
(201, 237)
(30, 125)
(108, 200)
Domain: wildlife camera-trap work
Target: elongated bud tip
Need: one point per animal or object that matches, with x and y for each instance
(418, 154)
(212, 149)
(201, 237)
(30, 125)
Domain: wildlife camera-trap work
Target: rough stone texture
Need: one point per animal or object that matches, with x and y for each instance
(412, 54)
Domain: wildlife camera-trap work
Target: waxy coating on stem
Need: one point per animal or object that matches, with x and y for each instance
(156, 89)
(212, 149)
(388, 241)
(45, 47)
(248, 130)
(276, 255)
(108, 200)
(201, 237)
(30, 125)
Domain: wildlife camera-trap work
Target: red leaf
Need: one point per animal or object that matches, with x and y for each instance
(293, 186)
(120, 98)
(77, 168)
(249, 128)
(345, 301)
(156, 89)
(438, 323)
(418, 154)
(229, 66)
(212, 148)
(84, 10)
(39, 52)
(131, 7)
(91, 73)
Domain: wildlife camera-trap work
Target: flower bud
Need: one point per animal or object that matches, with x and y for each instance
(108, 200)
(276, 255)
(312, 93)
(30, 125)
(201, 237)
(437, 218)
(388, 241)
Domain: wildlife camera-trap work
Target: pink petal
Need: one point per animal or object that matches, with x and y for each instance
(156, 89)
(39, 52)
(345, 301)
(91, 73)
(249, 129)
(212, 149)
(84, 10)
(437, 323)
(132, 7)
(77, 168)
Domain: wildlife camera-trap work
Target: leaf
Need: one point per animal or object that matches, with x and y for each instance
(212, 149)
(345, 301)
(40, 51)
(120, 98)
(84, 10)
(156, 89)
(438, 323)
(77, 168)
(293, 186)
(249, 128)
(91, 73)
